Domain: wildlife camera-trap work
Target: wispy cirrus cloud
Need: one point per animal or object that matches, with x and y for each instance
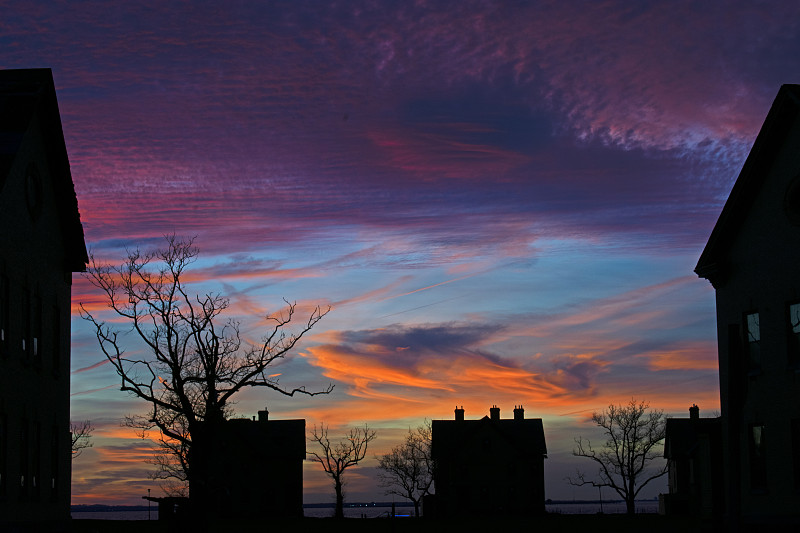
(481, 99)
(543, 172)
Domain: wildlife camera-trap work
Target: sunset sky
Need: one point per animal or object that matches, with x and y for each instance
(502, 202)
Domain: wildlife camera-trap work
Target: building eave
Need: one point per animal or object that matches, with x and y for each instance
(781, 117)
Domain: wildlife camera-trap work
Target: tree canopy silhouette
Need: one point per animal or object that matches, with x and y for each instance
(337, 457)
(634, 438)
(195, 361)
(407, 470)
(81, 437)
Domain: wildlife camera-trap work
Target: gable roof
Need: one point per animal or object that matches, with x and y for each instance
(448, 435)
(27, 95)
(782, 115)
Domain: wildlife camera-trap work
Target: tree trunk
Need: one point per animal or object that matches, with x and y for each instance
(339, 499)
(630, 500)
(630, 505)
(416, 508)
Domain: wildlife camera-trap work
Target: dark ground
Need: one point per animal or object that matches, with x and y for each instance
(644, 523)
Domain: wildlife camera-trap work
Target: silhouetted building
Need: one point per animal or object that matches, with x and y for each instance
(171, 508)
(692, 448)
(490, 466)
(41, 244)
(249, 468)
(753, 261)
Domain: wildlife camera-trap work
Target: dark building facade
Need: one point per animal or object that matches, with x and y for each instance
(249, 469)
(41, 245)
(490, 466)
(752, 259)
(693, 449)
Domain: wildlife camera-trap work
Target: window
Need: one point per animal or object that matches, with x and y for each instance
(758, 463)
(672, 475)
(54, 463)
(794, 336)
(36, 329)
(26, 331)
(3, 454)
(4, 311)
(753, 328)
(796, 451)
(55, 343)
(36, 471)
(24, 445)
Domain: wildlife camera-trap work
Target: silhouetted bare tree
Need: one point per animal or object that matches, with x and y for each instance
(407, 470)
(170, 457)
(81, 436)
(337, 457)
(194, 362)
(634, 438)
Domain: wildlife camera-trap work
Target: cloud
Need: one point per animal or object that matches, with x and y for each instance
(92, 391)
(520, 183)
(405, 100)
(420, 368)
(90, 367)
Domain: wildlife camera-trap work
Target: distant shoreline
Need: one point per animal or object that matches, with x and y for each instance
(90, 508)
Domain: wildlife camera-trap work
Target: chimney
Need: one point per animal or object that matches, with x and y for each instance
(494, 413)
(263, 416)
(694, 412)
(460, 414)
(519, 413)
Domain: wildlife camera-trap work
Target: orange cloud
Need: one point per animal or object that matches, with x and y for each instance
(380, 388)
(692, 356)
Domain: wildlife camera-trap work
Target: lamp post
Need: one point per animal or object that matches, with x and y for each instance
(600, 489)
(149, 504)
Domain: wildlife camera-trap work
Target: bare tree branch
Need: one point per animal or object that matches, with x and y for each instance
(337, 457)
(196, 361)
(634, 437)
(407, 470)
(81, 437)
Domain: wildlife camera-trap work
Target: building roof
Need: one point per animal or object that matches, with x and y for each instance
(782, 115)
(682, 435)
(277, 439)
(27, 95)
(527, 433)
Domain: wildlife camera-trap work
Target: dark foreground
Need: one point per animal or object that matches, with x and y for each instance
(555, 523)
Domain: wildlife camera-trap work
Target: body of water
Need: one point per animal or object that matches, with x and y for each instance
(614, 507)
(116, 515)
(378, 511)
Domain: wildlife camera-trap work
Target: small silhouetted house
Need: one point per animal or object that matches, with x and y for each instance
(41, 245)
(753, 261)
(171, 508)
(490, 466)
(693, 448)
(249, 469)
